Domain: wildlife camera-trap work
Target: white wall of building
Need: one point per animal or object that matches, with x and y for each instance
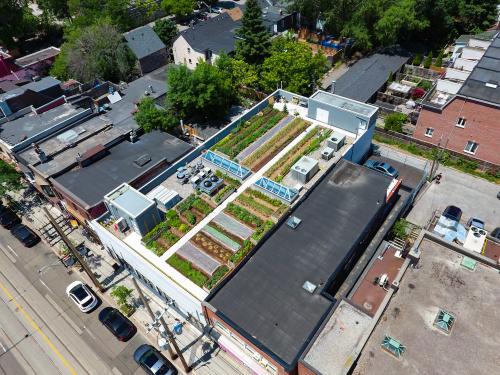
(472, 53)
(184, 54)
(185, 302)
(478, 43)
(464, 64)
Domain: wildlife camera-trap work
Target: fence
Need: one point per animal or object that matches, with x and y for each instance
(481, 164)
(206, 145)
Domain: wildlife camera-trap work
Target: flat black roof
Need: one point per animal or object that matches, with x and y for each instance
(89, 185)
(264, 299)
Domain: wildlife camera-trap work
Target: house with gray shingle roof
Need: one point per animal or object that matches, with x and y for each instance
(147, 47)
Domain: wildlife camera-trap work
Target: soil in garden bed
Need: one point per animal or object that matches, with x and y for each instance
(211, 247)
(261, 201)
(227, 234)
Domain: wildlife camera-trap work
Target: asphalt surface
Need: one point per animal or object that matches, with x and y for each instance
(41, 330)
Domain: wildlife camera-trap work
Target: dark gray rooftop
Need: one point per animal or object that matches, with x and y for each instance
(143, 41)
(483, 83)
(368, 75)
(265, 300)
(25, 127)
(216, 34)
(37, 56)
(90, 184)
(37, 86)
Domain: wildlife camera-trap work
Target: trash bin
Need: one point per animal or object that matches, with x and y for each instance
(177, 328)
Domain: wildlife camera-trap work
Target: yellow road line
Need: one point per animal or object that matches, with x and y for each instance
(39, 330)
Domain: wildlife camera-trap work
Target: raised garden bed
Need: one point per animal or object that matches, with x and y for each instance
(210, 247)
(227, 179)
(186, 268)
(232, 226)
(244, 215)
(272, 147)
(196, 205)
(221, 237)
(240, 254)
(223, 194)
(251, 204)
(249, 132)
(216, 277)
(278, 206)
(165, 234)
(310, 143)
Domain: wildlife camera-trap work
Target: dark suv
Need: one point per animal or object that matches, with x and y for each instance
(25, 235)
(8, 218)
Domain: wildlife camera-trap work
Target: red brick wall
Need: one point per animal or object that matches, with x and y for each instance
(303, 370)
(482, 126)
(211, 318)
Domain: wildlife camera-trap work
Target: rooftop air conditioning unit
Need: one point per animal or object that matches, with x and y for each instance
(327, 153)
(120, 225)
(336, 141)
(383, 280)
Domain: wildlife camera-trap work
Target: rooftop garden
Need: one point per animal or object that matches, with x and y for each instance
(310, 143)
(277, 143)
(177, 223)
(247, 133)
(230, 185)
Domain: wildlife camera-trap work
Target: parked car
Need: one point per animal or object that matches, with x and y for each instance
(453, 213)
(474, 221)
(153, 362)
(122, 328)
(8, 218)
(495, 233)
(82, 296)
(25, 235)
(382, 167)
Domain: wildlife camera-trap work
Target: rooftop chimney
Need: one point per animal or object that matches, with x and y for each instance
(332, 87)
(41, 155)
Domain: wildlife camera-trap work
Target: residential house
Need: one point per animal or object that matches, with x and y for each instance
(147, 47)
(206, 40)
(276, 18)
(462, 116)
(39, 61)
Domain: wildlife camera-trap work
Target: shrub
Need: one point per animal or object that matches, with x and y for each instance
(217, 276)
(418, 93)
(186, 204)
(222, 193)
(400, 229)
(426, 85)
(244, 215)
(439, 59)
(262, 230)
(122, 295)
(264, 197)
(183, 228)
(391, 77)
(155, 232)
(227, 179)
(241, 253)
(428, 61)
(171, 214)
(187, 270)
(417, 60)
(190, 217)
(395, 121)
(202, 206)
(170, 237)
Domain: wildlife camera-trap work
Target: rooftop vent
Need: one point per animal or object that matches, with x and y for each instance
(444, 321)
(309, 287)
(492, 84)
(141, 161)
(293, 222)
(393, 346)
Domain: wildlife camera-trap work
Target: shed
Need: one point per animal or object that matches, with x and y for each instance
(147, 47)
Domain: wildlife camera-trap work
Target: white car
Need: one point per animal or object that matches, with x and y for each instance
(82, 296)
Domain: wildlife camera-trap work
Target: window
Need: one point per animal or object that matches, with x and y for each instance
(429, 132)
(471, 147)
(461, 122)
(222, 327)
(189, 61)
(362, 124)
(189, 50)
(48, 190)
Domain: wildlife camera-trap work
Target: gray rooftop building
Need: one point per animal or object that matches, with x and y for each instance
(281, 294)
(147, 47)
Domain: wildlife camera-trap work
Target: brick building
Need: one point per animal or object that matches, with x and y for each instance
(468, 122)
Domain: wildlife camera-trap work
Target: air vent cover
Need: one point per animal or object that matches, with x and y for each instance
(142, 160)
(309, 287)
(444, 321)
(293, 222)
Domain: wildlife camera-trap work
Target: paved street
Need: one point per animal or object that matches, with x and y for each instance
(41, 330)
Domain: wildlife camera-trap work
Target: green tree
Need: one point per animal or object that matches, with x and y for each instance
(16, 21)
(254, 40)
(417, 60)
(58, 8)
(400, 229)
(97, 51)
(205, 93)
(146, 7)
(10, 178)
(395, 122)
(293, 65)
(439, 59)
(241, 73)
(179, 8)
(166, 30)
(122, 294)
(149, 116)
(428, 60)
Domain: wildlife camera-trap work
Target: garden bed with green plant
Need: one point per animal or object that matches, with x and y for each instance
(463, 165)
(165, 234)
(310, 143)
(247, 133)
(187, 269)
(241, 253)
(277, 143)
(209, 246)
(261, 225)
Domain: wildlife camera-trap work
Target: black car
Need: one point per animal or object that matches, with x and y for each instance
(122, 328)
(452, 213)
(153, 362)
(25, 235)
(8, 218)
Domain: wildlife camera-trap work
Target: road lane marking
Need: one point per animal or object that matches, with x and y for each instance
(12, 250)
(8, 255)
(46, 286)
(90, 333)
(3, 347)
(39, 330)
(116, 371)
(63, 314)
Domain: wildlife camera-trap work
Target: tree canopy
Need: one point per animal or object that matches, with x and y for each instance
(178, 8)
(150, 117)
(204, 93)
(97, 51)
(374, 23)
(166, 30)
(254, 40)
(10, 179)
(293, 65)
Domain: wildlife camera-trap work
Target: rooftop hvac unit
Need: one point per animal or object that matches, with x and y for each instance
(336, 141)
(383, 280)
(327, 153)
(120, 225)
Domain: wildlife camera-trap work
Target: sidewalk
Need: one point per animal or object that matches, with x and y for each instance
(199, 350)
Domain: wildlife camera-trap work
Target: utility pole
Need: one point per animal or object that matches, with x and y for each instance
(73, 250)
(170, 335)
